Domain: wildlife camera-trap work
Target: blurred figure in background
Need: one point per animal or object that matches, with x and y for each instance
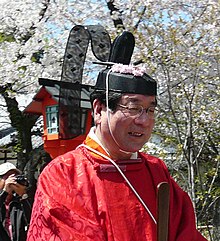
(15, 209)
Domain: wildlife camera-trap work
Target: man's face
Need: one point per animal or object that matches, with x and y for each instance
(124, 130)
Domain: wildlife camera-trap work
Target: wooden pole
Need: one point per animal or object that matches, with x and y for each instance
(163, 198)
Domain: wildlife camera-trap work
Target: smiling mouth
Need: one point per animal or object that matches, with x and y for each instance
(136, 134)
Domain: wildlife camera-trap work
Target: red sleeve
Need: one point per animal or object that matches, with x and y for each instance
(182, 225)
(58, 214)
(182, 217)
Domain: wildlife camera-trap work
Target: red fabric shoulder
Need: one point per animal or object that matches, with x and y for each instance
(62, 207)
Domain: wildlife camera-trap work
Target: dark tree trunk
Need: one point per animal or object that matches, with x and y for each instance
(28, 160)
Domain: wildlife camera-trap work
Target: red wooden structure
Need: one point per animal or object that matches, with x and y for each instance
(46, 103)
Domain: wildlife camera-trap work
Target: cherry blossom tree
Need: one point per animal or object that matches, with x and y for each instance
(178, 42)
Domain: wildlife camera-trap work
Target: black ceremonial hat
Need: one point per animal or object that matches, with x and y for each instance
(121, 76)
(126, 83)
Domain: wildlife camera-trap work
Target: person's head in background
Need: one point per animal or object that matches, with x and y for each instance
(8, 181)
(124, 109)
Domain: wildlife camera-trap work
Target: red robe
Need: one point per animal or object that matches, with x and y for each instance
(79, 199)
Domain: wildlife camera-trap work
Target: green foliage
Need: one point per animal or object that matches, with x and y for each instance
(6, 38)
(37, 56)
(23, 68)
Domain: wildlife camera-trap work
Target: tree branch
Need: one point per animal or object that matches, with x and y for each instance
(118, 23)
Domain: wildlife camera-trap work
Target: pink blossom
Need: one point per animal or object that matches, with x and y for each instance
(128, 69)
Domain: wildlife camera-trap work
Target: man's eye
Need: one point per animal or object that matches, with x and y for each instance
(133, 108)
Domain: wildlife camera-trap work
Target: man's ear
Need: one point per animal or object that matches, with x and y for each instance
(97, 111)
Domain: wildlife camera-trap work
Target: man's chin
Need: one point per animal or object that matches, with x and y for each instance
(136, 147)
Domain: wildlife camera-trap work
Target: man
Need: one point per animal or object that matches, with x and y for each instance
(14, 205)
(105, 190)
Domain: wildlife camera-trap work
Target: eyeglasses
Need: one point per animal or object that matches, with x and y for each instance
(137, 110)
